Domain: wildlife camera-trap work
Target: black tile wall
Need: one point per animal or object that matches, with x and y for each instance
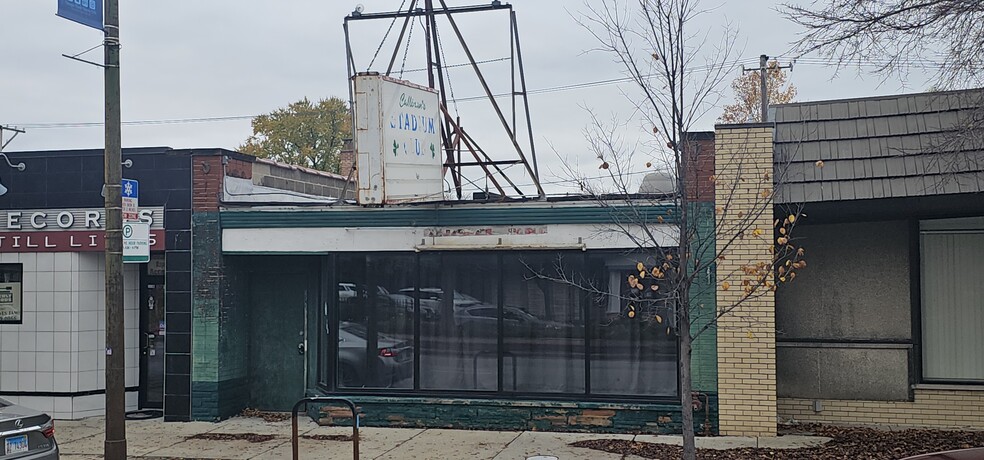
(74, 179)
(178, 364)
(177, 344)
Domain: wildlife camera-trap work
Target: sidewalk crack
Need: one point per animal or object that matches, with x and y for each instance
(402, 443)
(508, 444)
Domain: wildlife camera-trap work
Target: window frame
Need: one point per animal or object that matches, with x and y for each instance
(328, 375)
(15, 288)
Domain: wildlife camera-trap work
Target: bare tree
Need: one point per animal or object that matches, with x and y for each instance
(897, 36)
(677, 71)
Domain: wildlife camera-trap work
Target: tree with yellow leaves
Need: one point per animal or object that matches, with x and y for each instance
(748, 94)
(678, 254)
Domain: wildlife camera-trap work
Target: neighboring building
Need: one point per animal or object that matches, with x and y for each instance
(883, 328)
(52, 316)
(885, 325)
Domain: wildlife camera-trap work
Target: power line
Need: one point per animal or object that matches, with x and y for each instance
(914, 63)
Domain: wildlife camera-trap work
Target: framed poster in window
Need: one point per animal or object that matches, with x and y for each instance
(11, 306)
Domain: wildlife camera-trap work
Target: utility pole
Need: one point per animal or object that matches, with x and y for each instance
(763, 70)
(764, 86)
(115, 444)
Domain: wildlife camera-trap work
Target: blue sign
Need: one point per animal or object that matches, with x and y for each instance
(85, 12)
(131, 189)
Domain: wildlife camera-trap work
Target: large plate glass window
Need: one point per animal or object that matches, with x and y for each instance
(543, 323)
(633, 337)
(375, 328)
(459, 342)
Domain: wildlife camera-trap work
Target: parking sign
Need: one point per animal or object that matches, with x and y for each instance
(136, 242)
(131, 194)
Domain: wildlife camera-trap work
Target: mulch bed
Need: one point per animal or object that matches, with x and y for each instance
(328, 437)
(266, 416)
(251, 437)
(846, 444)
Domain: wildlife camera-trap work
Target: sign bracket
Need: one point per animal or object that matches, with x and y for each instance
(75, 57)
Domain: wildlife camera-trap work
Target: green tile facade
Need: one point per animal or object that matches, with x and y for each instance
(703, 300)
(218, 374)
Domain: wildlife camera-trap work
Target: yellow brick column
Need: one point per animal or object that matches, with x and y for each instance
(746, 346)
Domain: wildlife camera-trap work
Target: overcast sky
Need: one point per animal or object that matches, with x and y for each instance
(236, 58)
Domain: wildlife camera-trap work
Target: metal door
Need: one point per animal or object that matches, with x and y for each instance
(278, 342)
(152, 332)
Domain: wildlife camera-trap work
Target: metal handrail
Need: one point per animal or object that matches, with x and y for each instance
(294, 442)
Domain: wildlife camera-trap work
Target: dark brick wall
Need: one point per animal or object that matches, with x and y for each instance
(219, 377)
(208, 176)
(207, 181)
(207, 268)
(234, 340)
(221, 326)
(700, 148)
(346, 158)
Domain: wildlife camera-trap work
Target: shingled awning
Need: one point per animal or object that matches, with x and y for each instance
(881, 147)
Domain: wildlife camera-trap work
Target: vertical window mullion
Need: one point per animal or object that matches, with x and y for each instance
(333, 318)
(586, 305)
(416, 324)
(500, 341)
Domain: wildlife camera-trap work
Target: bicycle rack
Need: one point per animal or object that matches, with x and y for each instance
(294, 442)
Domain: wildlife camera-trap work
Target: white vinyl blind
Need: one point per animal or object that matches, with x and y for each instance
(953, 303)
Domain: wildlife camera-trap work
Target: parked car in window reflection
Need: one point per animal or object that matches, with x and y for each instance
(515, 320)
(27, 434)
(392, 358)
(431, 301)
(434, 297)
(403, 300)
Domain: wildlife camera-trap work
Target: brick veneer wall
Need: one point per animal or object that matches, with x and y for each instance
(217, 379)
(746, 348)
(937, 408)
(700, 190)
(207, 177)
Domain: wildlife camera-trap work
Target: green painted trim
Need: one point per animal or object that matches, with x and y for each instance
(486, 215)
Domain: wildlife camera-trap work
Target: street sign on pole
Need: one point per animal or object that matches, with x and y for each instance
(85, 12)
(136, 242)
(131, 196)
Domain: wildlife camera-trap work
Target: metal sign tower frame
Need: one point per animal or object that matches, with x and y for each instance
(457, 142)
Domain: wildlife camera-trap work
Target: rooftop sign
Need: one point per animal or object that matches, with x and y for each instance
(399, 155)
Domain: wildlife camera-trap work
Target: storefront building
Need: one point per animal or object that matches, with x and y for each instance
(477, 315)
(52, 282)
(52, 334)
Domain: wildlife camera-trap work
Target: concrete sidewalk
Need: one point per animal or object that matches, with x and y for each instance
(154, 439)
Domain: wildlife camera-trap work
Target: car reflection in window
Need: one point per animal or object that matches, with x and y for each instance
(393, 358)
